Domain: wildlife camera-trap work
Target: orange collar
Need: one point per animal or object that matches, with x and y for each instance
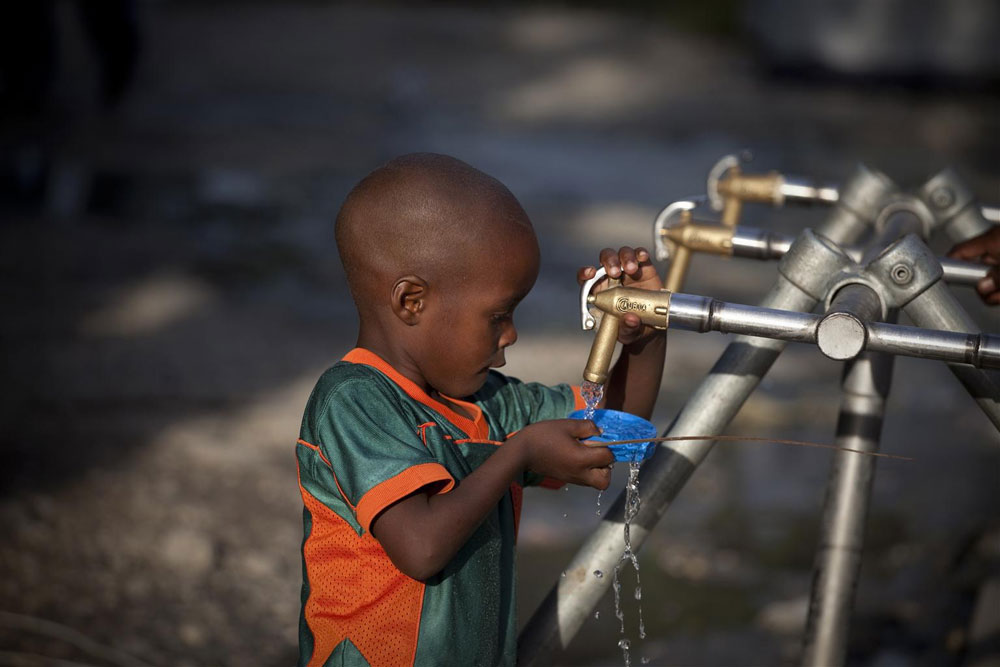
(475, 428)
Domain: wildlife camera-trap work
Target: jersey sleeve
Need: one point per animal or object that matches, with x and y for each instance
(363, 434)
(515, 404)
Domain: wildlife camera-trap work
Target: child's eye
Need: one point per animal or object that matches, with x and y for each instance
(501, 317)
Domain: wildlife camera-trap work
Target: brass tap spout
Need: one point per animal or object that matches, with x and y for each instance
(651, 307)
(599, 361)
(738, 187)
(680, 235)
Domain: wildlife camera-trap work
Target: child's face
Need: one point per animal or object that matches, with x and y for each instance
(468, 326)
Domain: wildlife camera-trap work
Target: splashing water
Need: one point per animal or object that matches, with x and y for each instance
(632, 504)
(592, 393)
(624, 645)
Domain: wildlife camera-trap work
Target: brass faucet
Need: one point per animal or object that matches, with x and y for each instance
(676, 234)
(652, 308)
(729, 188)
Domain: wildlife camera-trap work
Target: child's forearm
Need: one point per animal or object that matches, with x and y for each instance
(634, 382)
(422, 533)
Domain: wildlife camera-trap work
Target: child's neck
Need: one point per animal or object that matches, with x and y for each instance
(456, 407)
(410, 372)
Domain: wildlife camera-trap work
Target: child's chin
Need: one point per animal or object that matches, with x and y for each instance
(472, 386)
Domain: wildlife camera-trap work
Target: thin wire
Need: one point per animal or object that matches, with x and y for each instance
(745, 438)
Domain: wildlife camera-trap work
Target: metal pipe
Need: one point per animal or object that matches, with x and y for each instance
(954, 206)
(843, 332)
(799, 190)
(796, 190)
(937, 308)
(957, 272)
(979, 350)
(701, 314)
(865, 387)
(848, 327)
(754, 243)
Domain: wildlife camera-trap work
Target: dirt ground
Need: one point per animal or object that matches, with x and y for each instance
(172, 293)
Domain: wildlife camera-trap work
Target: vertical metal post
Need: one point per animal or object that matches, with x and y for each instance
(838, 559)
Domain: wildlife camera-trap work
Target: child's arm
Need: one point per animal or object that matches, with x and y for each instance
(634, 382)
(422, 532)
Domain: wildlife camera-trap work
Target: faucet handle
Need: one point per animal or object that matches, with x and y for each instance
(587, 319)
(670, 217)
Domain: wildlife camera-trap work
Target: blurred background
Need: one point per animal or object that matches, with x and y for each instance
(169, 175)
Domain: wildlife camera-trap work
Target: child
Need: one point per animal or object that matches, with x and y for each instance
(413, 452)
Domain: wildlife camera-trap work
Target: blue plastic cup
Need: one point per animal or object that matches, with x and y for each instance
(617, 425)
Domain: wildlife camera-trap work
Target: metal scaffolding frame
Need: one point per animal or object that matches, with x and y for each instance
(860, 290)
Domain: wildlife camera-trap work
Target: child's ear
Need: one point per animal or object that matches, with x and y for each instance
(409, 296)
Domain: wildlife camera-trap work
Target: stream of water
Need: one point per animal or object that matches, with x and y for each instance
(632, 503)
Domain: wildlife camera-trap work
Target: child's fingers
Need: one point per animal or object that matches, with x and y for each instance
(989, 287)
(599, 478)
(584, 274)
(582, 429)
(629, 329)
(629, 262)
(611, 262)
(985, 245)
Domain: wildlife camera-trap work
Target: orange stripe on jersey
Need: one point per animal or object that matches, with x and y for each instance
(317, 450)
(356, 593)
(413, 478)
(474, 428)
(343, 496)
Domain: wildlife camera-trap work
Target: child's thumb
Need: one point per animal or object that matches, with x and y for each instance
(583, 428)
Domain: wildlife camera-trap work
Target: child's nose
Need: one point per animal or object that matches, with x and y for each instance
(509, 335)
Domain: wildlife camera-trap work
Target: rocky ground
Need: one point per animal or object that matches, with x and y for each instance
(172, 296)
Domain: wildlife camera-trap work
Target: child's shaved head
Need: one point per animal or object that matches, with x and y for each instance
(427, 215)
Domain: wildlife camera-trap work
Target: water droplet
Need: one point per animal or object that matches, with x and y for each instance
(597, 614)
(624, 643)
(638, 593)
(563, 575)
(644, 660)
(598, 574)
(565, 515)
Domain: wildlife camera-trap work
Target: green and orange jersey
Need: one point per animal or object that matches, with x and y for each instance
(371, 437)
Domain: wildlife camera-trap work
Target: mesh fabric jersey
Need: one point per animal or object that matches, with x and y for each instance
(371, 437)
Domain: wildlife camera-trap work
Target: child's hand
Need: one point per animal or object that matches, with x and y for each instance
(552, 448)
(636, 270)
(983, 248)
